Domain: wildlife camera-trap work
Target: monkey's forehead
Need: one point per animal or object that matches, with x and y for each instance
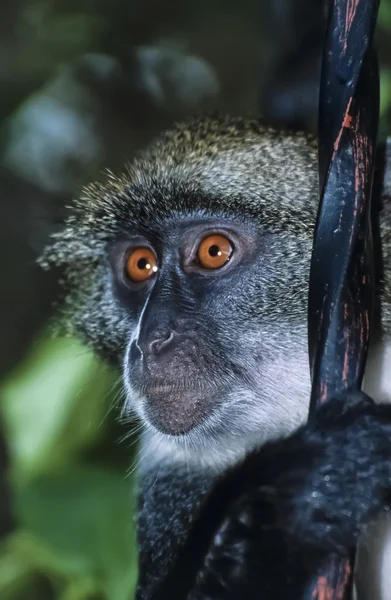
(223, 166)
(204, 137)
(235, 165)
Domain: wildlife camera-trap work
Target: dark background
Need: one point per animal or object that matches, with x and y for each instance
(84, 85)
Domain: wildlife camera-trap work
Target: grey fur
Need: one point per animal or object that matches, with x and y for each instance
(241, 166)
(239, 169)
(247, 173)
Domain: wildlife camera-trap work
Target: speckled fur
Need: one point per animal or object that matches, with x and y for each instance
(242, 169)
(241, 166)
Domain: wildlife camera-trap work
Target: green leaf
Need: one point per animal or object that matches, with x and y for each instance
(54, 405)
(385, 92)
(385, 15)
(77, 530)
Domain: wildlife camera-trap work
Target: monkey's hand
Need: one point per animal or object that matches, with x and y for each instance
(334, 475)
(269, 524)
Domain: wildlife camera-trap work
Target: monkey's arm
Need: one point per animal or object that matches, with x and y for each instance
(267, 526)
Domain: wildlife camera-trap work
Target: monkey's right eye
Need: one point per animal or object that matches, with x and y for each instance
(141, 264)
(214, 251)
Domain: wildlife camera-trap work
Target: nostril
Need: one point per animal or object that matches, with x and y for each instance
(161, 343)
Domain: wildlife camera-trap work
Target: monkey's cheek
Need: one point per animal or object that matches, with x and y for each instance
(176, 414)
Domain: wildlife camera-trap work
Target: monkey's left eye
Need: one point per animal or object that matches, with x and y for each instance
(214, 251)
(141, 264)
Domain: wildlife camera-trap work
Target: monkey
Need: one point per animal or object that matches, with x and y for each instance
(189, 272)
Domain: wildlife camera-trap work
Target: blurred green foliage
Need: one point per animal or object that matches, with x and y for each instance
(75, 534)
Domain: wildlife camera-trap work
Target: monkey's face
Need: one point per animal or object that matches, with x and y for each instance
(191, 271)
(217, 321)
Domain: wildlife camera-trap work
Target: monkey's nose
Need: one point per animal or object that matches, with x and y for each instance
(162, 342)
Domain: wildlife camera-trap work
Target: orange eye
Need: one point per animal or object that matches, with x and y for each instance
(141, 264)
(214, 251)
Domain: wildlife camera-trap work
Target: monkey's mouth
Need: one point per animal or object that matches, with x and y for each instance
(175, 409)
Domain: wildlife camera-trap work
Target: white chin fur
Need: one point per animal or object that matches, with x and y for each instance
(228, 435)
